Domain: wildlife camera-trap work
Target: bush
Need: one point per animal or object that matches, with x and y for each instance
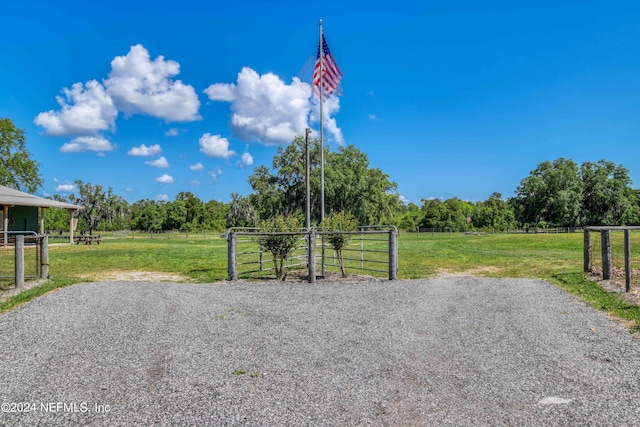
(339, 221)
(280, 245)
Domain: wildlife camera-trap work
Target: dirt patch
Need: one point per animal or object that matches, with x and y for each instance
(477, 271)
(135, 276)
(301, 276)
(617, 284)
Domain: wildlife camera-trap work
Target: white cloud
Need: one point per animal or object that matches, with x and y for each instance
(330, 107)
(215, 146)
(158, 163)
(197, 167)
(162, 197)
(373, 117)
(264, 108)
(165, 179)
(87, 143)
(65, 188)
(247, 159)
(145, 151)
(195, 182)
(130, 189)
(404, 200)
(172, 132)
(85, 110)
(138, 85)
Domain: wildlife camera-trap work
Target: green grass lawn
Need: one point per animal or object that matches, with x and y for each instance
(556, 258)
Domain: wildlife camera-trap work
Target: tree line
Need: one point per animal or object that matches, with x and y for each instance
(558, 193)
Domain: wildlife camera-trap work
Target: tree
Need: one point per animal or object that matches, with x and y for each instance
(607, 197)
(339, 221)
(214, 215)
(241, 212)
(552, 194)
(194, 207)
(280, 245)
(410, 218)
(57, 218)
(97, 204)
(147, 215)
(176, 215)
(494, 213)
(17, 169)
(350, 184)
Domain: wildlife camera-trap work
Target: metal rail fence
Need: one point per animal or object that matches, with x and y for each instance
(24, 255)
(248, 258)
(608, 254)
(371, 249)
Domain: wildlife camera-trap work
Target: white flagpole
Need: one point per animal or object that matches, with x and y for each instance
(321, 131)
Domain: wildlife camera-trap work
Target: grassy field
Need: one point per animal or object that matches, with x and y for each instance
(553, 257)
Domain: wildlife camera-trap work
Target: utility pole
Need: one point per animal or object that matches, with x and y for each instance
(308, 180)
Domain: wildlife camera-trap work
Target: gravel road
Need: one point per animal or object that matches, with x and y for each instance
(457, 351)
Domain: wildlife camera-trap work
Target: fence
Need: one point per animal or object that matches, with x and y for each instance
(529, 230)
(607, 253)
(371, 249)
(24, 255)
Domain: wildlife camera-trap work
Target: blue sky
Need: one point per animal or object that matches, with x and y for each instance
(458, 98)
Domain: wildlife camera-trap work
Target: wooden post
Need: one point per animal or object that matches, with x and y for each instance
(42, 220)
(311, 254)
(5, 210)
(232, 263)
(19, 260)
(587, 249)
(44, 257)
(607, 264)
(627, 259)
(393, 254)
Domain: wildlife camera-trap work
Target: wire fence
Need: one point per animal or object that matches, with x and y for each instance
(609, 254)
(29, 257)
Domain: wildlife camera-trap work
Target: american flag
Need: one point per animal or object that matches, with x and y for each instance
(331, 74)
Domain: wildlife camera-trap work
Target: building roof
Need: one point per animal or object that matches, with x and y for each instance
(11, 197)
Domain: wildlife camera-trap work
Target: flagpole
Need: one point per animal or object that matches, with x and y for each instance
(321, 51)
(321, 132)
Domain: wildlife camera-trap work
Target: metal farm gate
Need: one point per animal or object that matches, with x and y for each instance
(370, 249)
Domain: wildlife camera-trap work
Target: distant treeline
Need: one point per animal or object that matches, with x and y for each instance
(557, 193)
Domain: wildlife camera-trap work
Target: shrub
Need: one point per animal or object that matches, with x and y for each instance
(280, 245)
(339, 221)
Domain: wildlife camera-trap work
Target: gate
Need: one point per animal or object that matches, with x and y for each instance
(371, 249)
(23, 255)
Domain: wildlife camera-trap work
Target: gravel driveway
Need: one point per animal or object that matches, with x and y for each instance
(449, 351)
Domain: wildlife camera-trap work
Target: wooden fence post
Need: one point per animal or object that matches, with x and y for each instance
(607, 264)
(44, 257)
(587, 250)
(231, 261)
(19, 260)
(627, 259)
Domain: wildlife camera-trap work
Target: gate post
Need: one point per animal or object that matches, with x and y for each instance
(393, 254)
(19, 260)
(231, 256)
(627, 259)
(44, 257)
(587, 250)
(311, 255)
(607, 265)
